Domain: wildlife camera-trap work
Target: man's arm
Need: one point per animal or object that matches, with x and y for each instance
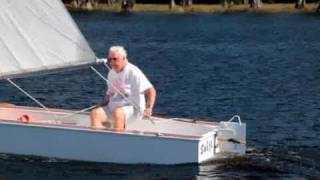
(151, 99)
(104, 101)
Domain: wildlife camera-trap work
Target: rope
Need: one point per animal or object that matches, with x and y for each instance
(77, 112)
(117, 90)
(32, 98)
(27, 94)
(234, 117)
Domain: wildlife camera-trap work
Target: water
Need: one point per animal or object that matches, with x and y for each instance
(264, 67)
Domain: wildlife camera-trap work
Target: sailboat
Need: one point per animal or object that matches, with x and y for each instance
(40, 36)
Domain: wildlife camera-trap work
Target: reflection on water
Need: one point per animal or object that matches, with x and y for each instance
(254, 165)
(209, 171)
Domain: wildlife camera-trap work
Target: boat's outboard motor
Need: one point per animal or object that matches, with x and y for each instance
(230, 138)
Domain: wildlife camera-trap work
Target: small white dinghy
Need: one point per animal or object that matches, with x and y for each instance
(156, 141)
(39, 36)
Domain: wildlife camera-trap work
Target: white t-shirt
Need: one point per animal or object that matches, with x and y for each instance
(132, 83)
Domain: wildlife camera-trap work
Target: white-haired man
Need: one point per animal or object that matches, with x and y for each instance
(127, 88)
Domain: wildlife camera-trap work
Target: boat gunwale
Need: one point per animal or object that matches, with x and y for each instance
(104, 130)
(192, 121)
(159, 117)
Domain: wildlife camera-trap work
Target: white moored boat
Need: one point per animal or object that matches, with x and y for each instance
(40, 36)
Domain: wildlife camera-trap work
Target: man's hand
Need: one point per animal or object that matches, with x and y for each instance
(151, 98)
(147, 113)
(104, 102)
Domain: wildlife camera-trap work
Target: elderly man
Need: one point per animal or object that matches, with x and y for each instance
(125, 97)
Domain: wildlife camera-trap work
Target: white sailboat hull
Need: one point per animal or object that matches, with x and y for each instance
(76, 141)
(95, 146)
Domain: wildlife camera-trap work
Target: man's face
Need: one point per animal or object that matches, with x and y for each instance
(117, 61)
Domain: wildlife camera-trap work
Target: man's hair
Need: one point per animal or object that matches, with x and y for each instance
(118, 49)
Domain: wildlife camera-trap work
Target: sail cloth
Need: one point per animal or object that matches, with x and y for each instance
(39, 35)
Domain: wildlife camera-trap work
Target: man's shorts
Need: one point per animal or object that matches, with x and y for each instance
(128, 111)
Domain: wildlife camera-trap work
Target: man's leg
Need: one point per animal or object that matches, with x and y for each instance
(98, 116)
(119, 118)
(121, 115)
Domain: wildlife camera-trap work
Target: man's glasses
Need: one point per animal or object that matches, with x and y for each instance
(112, 59)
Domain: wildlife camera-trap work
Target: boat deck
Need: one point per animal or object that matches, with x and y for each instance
(58, 118)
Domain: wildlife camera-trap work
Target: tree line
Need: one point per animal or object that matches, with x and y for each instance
(128, 4)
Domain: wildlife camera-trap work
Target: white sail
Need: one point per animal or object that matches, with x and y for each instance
(39, 35)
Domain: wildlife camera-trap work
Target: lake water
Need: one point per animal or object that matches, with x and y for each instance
(263, 67)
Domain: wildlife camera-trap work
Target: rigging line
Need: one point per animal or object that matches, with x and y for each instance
(77, 112)
(31, 97)
(89, 108)
(118, 91)
(27, 94)
(106, 65)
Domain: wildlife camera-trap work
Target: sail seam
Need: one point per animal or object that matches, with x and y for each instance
(24, 36)
(18, 64)
(63, 34)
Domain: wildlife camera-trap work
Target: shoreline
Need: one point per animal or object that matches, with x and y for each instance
(205, 8)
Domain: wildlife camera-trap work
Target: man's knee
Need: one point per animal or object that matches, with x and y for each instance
(119, 118)
(118, 113)
(98, 113)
